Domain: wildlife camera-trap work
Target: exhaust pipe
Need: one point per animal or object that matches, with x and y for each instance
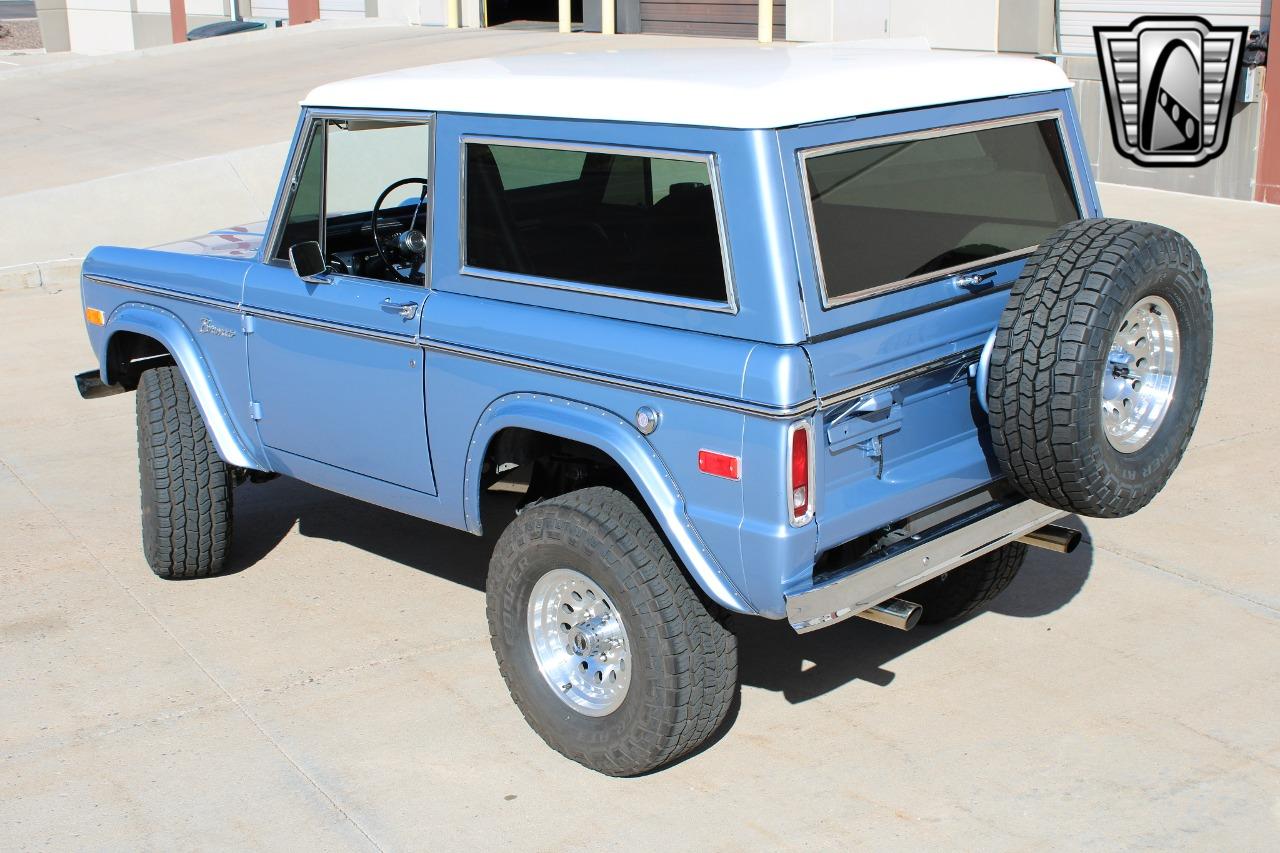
(1063, 540)
(895, 613)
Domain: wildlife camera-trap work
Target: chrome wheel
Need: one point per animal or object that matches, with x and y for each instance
(579, 642)
(1141, 371)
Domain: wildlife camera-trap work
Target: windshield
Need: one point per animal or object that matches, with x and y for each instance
(901, 211)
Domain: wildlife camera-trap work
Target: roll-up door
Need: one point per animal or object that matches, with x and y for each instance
(731, 18)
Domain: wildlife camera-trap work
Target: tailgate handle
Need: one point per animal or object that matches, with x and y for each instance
(866, 419)
(867, 404)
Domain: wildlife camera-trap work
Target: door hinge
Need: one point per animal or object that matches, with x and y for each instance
(246, 323)
(255, 410)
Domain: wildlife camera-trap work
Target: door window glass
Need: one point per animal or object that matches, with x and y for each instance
(349, 165)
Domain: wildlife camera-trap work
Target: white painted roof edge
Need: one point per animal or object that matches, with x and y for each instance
(752, 86)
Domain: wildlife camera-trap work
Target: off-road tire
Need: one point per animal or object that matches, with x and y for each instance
(684, 659)
(967, 589)
(186, 487)
(1051, 351)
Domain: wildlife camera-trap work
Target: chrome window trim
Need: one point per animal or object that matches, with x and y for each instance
(297, 156)
(710, 159)
(805, 154)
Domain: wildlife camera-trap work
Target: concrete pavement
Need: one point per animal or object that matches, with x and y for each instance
(338, 692)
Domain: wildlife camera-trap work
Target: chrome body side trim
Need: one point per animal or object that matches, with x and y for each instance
(227, 304)
(955, 359)
(743, 407)
(864, 585)
(794, 410)
(1055, 115)
(730, 306)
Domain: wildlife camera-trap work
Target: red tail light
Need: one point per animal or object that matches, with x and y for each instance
(800, 475)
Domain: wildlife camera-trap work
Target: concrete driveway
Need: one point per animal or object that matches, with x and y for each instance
(337, 690)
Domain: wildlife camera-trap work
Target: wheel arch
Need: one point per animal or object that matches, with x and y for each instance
(159, 333)
(611, 435)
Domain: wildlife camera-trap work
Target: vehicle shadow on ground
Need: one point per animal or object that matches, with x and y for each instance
(771, 655)
(266, 512)
(803, 667)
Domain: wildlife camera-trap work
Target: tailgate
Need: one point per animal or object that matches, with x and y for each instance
(899, 433)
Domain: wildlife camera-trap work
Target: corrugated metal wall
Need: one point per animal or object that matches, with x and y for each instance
(1079, 17)
(730, 18)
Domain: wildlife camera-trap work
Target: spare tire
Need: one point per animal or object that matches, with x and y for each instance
(1099, 366)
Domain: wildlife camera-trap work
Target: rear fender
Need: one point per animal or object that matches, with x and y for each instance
(170, 331)
(610, 434)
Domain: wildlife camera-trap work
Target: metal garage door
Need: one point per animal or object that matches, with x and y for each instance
(1079, 17)
(329, 9)
(732, 18)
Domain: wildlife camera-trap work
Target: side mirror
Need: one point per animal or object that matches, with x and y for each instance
(308, 262)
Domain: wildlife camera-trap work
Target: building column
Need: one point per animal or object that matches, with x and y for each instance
(1266, 185)
(302, 11)
(178, 20)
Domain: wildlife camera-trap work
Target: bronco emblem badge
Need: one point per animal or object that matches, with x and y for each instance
(1170, 83)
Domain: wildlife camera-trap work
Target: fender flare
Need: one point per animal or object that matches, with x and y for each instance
(616, 437)
(167, 328)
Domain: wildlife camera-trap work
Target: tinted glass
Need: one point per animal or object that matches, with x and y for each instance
(646, 224)
(886, 213)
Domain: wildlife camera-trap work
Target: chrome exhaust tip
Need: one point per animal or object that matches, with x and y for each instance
(895, 613)
(1062, 540)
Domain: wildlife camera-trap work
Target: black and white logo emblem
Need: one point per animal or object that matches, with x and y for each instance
(1170, 82)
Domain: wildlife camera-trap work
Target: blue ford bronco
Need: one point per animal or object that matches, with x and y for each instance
(805, 333)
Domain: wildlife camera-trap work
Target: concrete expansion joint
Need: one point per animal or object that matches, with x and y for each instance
(1269, 609)
(49, 276)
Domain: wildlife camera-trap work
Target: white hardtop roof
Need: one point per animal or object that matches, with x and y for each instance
(750, 86)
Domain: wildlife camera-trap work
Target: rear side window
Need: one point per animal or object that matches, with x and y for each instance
(890, 214)
(641, 223)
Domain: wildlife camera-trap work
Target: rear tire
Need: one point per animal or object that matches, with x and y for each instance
(967, 589)
(592, 556)
(186, 487)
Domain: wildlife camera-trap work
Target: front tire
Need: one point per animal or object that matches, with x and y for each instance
(610, 654)
(186, 487)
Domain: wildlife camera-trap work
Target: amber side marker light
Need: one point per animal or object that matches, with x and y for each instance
(95, 316)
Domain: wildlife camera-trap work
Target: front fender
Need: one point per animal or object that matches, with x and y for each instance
(610, 434)
(169, 330)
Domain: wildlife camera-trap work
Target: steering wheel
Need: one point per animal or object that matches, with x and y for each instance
(411, 245)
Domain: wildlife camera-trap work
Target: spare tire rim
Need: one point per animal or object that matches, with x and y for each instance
(579, 642)
(1141, 372)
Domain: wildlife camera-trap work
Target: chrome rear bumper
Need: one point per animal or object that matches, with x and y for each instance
(912, 562)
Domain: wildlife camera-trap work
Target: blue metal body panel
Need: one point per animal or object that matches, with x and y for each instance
(399, 412)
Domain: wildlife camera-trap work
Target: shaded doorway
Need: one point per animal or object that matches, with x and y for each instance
(498, 12)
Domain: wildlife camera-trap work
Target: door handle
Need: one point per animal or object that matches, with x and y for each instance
(975, 281)
(407, 310)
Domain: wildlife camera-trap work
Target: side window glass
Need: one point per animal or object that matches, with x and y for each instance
(643, 223)
(377, 166)
(302, 217)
